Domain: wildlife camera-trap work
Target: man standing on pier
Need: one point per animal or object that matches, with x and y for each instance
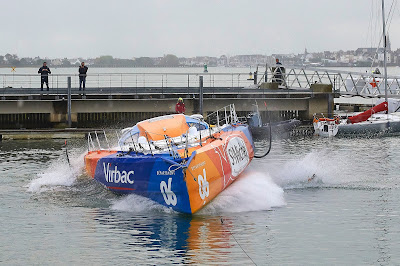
(82, 75)
(44, 71)
(278, 72)
(180, 106)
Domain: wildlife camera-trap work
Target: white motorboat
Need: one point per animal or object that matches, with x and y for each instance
(325, 127)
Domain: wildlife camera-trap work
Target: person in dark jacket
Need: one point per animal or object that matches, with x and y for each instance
(180, 106)
(44, 71)
(278, 72)
(82, 75)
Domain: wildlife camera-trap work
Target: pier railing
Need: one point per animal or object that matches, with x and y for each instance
(343, 82)
(129, 80)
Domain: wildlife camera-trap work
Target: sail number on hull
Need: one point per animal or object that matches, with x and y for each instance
(204, 186)
(168, 195)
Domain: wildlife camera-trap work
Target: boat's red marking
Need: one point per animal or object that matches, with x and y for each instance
(121, 188)
(367, 114)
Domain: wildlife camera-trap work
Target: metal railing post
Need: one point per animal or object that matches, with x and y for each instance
(69, 102)
(201, 95)
(188, 85)
(266, 75)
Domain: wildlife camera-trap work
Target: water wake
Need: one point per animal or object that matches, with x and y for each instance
(253, 191)
(138, 204)
(261, 186)
(58, 174)
(315, 169)
(307, 171)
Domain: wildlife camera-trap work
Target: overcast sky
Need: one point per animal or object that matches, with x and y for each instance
(130, 28)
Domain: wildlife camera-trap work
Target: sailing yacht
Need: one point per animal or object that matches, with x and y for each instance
(378, 119)
(373, 121)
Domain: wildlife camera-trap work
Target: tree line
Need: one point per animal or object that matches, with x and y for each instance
(12, 60)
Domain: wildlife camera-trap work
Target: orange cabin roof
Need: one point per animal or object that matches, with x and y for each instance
(170, 125)
(326, 119)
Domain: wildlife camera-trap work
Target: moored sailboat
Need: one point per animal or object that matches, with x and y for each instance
(377, 119)
(371, 122)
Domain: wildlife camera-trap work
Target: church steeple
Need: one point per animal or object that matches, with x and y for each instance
(388, 45)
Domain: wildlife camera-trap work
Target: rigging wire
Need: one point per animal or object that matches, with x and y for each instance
(388, 24)
(398, 10)
(390, 17)
(376, 24)
(370, 25)
(391, 14)
(222, 221)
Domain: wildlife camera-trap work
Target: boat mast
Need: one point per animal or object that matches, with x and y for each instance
(384, 49)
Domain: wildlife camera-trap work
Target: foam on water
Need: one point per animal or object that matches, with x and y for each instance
(138, 204)
(306, 171)
(253, 191)
(59, 173)
(319, 168)
(260, 187)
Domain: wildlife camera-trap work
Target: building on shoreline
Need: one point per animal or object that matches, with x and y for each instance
(361, 57)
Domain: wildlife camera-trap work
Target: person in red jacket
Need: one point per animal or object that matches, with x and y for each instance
(180, 106)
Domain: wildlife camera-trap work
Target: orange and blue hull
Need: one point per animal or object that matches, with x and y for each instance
(183, 184)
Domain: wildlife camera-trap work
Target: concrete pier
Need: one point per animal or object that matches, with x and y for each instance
(124, 106)
(89, 113)
(124, 98)
(24, 134)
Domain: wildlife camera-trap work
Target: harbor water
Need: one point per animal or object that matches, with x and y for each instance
(311, 201)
